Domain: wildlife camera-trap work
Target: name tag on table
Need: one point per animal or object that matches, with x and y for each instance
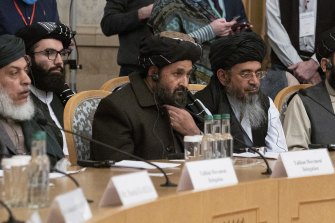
(128, 189)
(307, 24)
(70, 207)
(204, 174)
(303, 163)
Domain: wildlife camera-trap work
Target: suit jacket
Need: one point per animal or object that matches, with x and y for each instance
(7, 148)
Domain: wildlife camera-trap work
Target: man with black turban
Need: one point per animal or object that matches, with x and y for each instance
(150, 116)
(234, 89)
(47, 44)
(17, 123)
(310, 117)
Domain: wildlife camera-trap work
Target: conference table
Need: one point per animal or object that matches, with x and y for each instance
(256, 198)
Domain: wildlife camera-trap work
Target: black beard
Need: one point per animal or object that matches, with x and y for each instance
(47, 80)
(178, 98)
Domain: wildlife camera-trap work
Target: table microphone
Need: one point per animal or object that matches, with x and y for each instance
(268, 169)
(72, 178)
(11, 218)
(167, 183)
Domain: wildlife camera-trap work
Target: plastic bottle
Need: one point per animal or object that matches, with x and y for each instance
(228, 139)
(38, 172)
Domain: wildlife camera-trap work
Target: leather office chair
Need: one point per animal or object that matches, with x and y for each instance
(78, 117)
(114, 83)
(283, 96)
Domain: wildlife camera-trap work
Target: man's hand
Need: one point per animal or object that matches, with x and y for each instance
(305, 71)
(182, 121)
(145, 12)
(221, 27)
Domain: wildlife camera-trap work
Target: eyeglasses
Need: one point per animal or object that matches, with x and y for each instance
(247, 75)
(52, 53)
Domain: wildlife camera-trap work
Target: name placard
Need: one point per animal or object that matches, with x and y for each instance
(70, 207)
(198, 175)
(128, 189)
(303, 163)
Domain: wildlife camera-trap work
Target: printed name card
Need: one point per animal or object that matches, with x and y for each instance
(198, 175)
(128, 189)
(70, 207)
(303, 163)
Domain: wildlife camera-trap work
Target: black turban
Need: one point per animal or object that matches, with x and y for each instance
(326, 44)
(234, 49)
(11, 49)
(166, 48)
(45, 30)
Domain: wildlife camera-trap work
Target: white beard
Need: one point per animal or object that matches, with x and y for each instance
(17, 112)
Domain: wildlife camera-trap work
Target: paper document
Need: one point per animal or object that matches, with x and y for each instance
(143, 165)
(268, 155)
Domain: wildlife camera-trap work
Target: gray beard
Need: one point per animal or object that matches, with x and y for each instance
(251, 108)
(16, 112)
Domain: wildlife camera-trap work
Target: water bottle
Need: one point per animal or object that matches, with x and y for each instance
(228, 140)
(207, 143)
(218, 150)
(38, 172)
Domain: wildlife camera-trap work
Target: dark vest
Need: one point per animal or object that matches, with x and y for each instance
(320, 113)
(289, 11)
(219, 106)
(241, 139)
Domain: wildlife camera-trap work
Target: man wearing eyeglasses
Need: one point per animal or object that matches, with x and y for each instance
(47, 44)
(17, 110)
(234, 89)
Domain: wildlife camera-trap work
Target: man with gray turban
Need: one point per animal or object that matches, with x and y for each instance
(150, 116)
(234, 89)
(17, 123)
(310, 117)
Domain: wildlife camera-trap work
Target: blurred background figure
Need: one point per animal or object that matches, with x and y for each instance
(15, 14)
(127, 18)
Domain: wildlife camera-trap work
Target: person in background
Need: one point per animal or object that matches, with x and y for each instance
(310, 117)
(202, 20)
(234, 89)
(15, 14)
(47, 44)
(150, 116)
(127, 18)
(293, 28)
(17, 110)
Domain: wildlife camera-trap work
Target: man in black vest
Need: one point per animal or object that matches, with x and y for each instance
(234, 89)
(293, 28)
(310, 117)
(47, 44)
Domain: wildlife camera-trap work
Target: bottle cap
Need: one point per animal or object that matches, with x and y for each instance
(217, 117)
(225, 116)
(40, 135)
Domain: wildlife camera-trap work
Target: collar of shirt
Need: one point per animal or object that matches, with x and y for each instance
(45, 97)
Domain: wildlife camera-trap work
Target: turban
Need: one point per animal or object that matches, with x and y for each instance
(234, 49)
(326, 44)
(166, 48)
(11, 49)
(45, 30)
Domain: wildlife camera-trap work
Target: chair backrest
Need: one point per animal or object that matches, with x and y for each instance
(281, 99)
(78, 117)
(114, 83)
(193, 88)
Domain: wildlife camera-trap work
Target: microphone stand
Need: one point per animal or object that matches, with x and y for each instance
(72, 178)
(167, 183)
(11, 218)
(268, 169)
